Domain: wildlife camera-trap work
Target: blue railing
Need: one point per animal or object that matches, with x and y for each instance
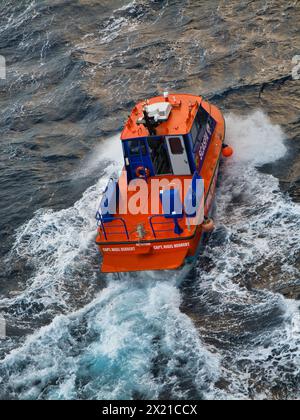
(105, 216)
(109, 199)
(108, 227)
(155, 231)
(191, 204)
(122, 225)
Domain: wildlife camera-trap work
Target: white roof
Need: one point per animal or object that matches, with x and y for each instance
(159, 111)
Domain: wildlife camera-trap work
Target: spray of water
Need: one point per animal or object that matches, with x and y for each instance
(252, 254)
(132, 339)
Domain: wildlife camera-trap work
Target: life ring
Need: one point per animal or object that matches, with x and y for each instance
(141, 172)
(208, 225)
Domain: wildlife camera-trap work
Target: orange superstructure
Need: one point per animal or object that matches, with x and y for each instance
(154, 217)
(184, 109)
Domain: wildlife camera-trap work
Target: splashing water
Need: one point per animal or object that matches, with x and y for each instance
(142, 337)
(113, 348)
(59, 246)
(255, 247)
(255, 140)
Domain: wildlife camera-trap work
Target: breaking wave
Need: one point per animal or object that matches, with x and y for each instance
(252, 255)
(221, 334)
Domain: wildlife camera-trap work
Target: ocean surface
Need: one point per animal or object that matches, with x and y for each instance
(227, 328)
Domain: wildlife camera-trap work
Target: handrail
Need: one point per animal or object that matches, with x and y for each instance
(158, 223)
(111, 179)
(194, 202)
(104, 196)
(123, 224)
(100, 217)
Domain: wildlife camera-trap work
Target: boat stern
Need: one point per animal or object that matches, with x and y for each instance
(144, 257)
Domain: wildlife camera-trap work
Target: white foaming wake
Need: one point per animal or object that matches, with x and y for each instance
(255, 139)
(59, 244)
(259, 228)
(127, 327)
(108, 151)
(132, 340)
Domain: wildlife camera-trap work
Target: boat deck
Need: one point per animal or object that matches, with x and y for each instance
(124, 227)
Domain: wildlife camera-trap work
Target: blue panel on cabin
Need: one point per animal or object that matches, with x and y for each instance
(172, 204)
(201, 147)
(194, 196)
(138, 155)
(109, 202)
(189, 150)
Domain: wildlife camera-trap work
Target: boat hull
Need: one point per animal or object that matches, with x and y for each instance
(168, 252)
(156, 255)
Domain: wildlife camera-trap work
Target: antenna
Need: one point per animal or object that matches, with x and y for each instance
(155, 114)
(148, 122)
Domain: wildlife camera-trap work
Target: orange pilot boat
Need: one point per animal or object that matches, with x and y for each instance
(155, 216)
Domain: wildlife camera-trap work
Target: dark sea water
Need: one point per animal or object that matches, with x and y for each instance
(228, 327)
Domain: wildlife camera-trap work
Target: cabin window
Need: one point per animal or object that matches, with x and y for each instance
(176, 146)
(137, 147)
(202, 117)
(195, 131)
(159, 156)
(199, 128)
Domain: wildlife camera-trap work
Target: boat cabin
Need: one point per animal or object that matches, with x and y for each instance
(178, 138)
(167, 135)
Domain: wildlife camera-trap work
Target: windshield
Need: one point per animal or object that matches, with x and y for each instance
(137, 147)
